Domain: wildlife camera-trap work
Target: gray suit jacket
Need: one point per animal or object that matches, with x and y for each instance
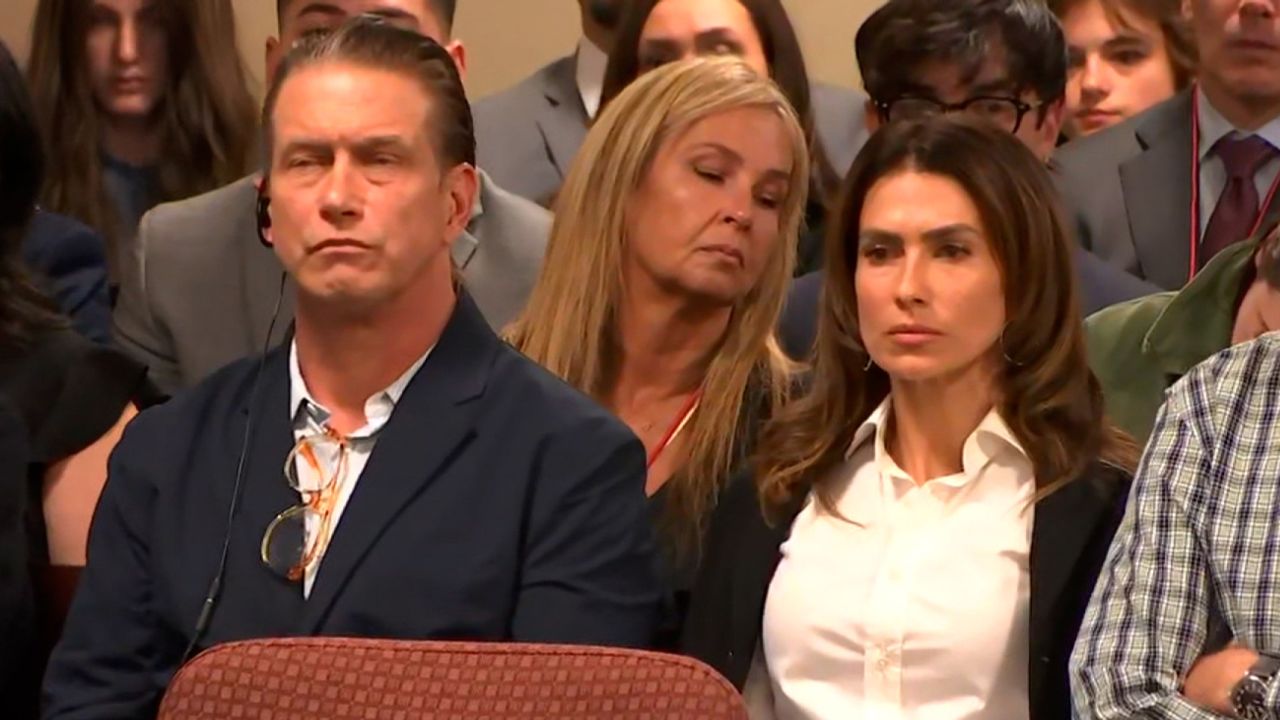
(201, 292)
(1129, 190)
(527, 135)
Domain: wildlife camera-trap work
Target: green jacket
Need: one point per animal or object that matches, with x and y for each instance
(1141, 347)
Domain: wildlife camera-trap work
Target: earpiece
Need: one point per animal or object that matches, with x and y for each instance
(264, 215)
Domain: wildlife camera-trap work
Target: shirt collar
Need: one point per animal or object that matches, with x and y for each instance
(1214, 127)
(591, 64)
(984, 444)
(307, 413)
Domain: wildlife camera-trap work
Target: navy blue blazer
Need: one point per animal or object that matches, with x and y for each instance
(1101, 285)
(70, 262)
(498, 504)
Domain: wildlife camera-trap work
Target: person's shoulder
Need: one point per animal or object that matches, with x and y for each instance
(837, 98)
(1229, 390)
(505, 107)
(177, 237)
(1110, 147)
(542, 400)
(512, 211)
(213, 206)
(222, 393)
(1126, 323)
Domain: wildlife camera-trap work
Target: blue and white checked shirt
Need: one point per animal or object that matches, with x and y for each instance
(1198, 554)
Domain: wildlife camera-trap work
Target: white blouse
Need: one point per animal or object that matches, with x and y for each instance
(916, 605)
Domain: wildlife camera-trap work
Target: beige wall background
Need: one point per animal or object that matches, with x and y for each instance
(508, 39)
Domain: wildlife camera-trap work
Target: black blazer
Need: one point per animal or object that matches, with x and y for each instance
(498, 504)
(1070, 537)
(17, 609)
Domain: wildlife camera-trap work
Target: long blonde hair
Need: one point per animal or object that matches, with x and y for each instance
(568, 324)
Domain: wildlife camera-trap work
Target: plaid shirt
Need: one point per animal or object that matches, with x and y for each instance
(1197, 558)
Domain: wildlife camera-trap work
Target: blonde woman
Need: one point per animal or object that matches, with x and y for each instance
(666, 270)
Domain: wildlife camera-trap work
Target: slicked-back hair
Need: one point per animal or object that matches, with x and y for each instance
(368, 41)
(903, 35)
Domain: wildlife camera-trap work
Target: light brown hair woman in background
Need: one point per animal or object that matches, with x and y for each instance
(945, 493)
(142, 102)
(667, 266)
(1123, 56)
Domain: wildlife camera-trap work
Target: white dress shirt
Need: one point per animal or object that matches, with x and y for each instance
(916, 605)
(591, 65)
(311, 418)
(1213, 173)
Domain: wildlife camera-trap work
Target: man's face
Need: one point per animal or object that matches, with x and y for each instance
(1239, 46)
(361, 209)
(301, 18)
(945, 82)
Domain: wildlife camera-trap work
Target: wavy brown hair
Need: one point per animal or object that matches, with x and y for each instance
(1047, 394)
(207, 116)
(568, 324)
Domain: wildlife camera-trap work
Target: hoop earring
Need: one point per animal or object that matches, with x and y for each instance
(1005, 352)
(870, 362)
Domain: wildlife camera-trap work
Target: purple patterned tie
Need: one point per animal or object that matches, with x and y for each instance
(1237, 209)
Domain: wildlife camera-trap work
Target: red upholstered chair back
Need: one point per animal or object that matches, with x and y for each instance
(340, 678)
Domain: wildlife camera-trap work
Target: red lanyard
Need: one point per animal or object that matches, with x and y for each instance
(1195, 186)
(675, 428)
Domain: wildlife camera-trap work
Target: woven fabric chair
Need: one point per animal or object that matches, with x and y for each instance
(369, 679)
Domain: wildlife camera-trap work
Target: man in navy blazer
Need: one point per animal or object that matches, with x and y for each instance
(452, 489)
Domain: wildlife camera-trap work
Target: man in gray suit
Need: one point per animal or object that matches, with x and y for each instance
(1131, 187)
(528, 135)
(204, 290)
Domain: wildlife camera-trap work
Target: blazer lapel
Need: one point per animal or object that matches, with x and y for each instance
(1157, 194)
(563, 121)
(1064, 524)
(255, 600)
(429, 427)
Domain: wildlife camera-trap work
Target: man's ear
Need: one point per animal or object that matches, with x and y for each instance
(458, 52)
(273, 56)
(871, 114)
(460, 185)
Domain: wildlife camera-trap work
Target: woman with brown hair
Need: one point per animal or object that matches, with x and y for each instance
(943, 496)
(653, 32)
(1123, 56)
(666, 269)
(142, 101)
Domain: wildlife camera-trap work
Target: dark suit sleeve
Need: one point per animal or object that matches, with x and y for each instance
(588, 567)
(111, 661)
(137, 330)
(72, 262)
(1103, 285)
